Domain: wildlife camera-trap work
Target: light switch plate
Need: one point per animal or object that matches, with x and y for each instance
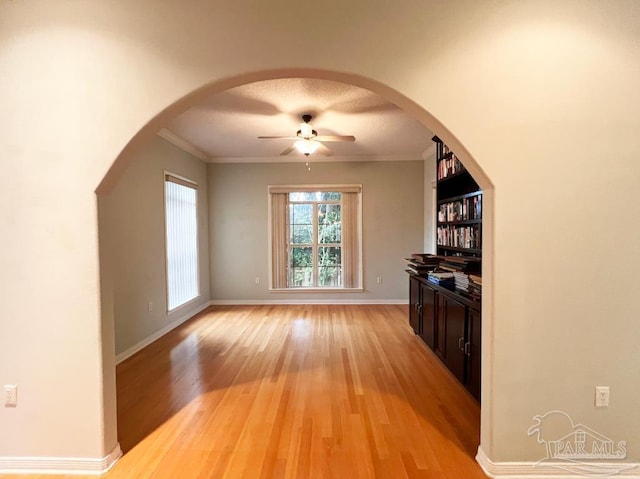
(10, 395)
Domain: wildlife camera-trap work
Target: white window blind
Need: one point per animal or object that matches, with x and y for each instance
(181, 221)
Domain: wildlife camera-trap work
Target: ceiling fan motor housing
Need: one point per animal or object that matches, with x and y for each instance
(305, 130)
(314, 133)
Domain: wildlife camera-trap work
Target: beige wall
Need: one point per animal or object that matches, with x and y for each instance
(132, 235)
(540, 99)
(392, 210)
(430, 203)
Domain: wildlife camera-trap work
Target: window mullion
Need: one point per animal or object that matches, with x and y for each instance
(315, 244)
(341, 243)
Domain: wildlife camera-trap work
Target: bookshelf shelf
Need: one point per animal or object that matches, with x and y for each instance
(460, 222)
(453, 176)
(460, 197)
(471, 251)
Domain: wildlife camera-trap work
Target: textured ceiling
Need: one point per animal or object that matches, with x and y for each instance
(226, 125)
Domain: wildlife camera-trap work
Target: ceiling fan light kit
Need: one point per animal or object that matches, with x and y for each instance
(307, 146)
(307, 139)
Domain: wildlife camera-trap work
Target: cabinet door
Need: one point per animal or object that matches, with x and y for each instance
(428, 316)
(455, 338)
(414, 304)
(473, 351)
(440, 325)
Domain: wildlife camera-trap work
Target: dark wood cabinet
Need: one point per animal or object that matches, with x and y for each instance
(440, 320)
(427, 308)
(455, 323)
(473, 352)
(415, 305)
(451, 326)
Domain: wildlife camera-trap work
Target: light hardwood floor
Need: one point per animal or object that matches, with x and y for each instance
(320, 391)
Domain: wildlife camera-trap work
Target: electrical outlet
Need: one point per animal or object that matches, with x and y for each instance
(150, 306)
(257, 280)
(602, 396)
(10, 395)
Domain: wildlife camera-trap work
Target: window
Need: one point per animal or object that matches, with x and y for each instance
(315, 253)
(181, 225)
(315, 237)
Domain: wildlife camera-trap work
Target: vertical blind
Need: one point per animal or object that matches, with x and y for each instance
(182, 241)
(351, 255)
(279, 240)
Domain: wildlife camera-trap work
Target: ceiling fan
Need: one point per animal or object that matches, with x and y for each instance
(307, 141)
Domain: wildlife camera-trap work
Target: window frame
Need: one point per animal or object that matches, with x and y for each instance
(358, 233)
(188, 183)
(315, 245)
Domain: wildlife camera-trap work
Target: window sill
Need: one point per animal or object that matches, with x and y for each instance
(316, 290)
(184, 305)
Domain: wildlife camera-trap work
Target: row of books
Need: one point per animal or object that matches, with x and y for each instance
(465, 209)
(459, 236)
(474, 288)
(422, 263)
(444, 278)
(460, 273)
(426, 259)
(466, 275)
(464, 264)
(457, 281)
(449, 166)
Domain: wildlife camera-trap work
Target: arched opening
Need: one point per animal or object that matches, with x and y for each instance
(409, 106)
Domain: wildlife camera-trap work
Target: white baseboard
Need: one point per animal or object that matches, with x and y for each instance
(556, 470)
(257, 302)
(127, 353)
(60, 465)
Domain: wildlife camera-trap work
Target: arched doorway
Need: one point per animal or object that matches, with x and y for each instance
(411, 107)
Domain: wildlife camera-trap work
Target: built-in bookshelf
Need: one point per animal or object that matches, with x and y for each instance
(445, 289)
(459, 206)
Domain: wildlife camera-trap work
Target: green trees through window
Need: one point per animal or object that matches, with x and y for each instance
(315, 230)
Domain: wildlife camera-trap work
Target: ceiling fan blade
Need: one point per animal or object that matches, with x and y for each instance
(278, 138)
(287, 151)
(335, 138)
(323, 150)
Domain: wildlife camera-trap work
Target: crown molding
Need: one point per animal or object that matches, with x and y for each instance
(184, 145)
(187, 147)
(315, 159)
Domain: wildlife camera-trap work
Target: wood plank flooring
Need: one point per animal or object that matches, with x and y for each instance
(308, 391)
